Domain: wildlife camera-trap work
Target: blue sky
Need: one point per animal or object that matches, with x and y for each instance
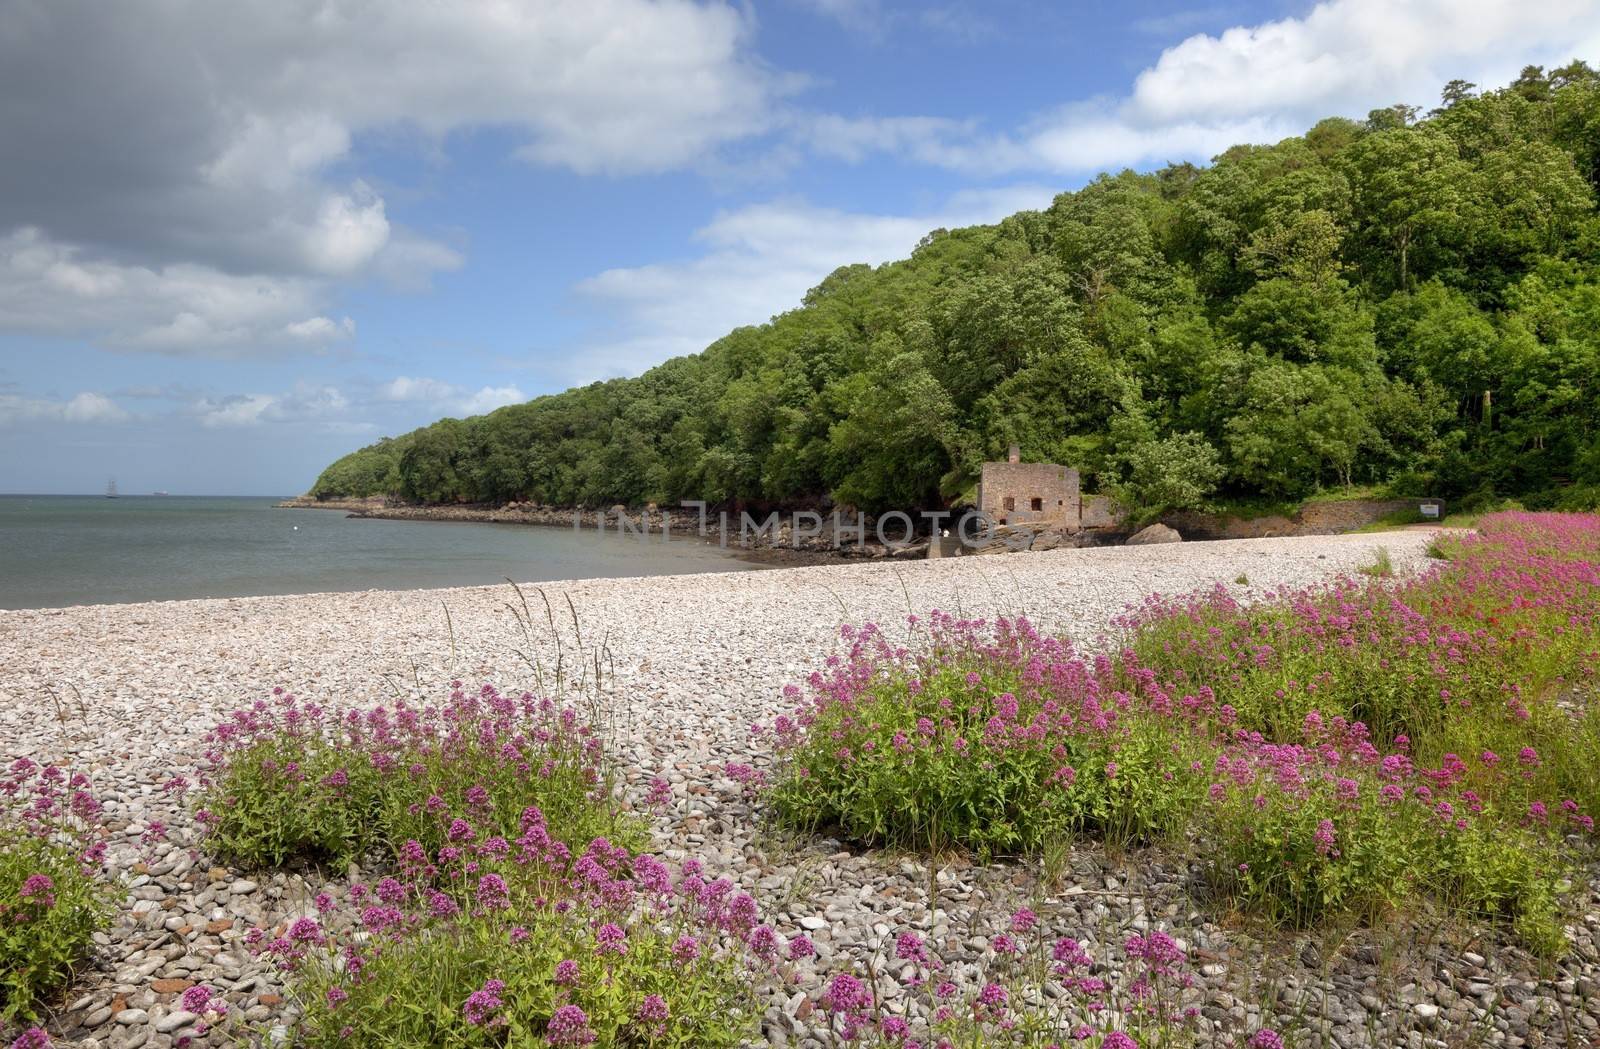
(237, 241)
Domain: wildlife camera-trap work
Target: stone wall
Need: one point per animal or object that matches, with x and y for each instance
(1055, 487)
(1099, 511)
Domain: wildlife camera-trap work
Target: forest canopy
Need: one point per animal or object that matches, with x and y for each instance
(1410, 301)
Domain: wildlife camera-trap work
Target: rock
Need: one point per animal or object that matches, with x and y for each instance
(1052, 540)
(133, 1038)
(174, 1020)
(1154, 534)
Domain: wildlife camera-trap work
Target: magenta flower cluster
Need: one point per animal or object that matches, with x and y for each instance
(1342, 708)
(50, 804)
(52, 896)
(382, 776)
(1075, 998)
(512, 878)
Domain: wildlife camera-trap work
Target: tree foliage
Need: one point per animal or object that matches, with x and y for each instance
(1407, 301)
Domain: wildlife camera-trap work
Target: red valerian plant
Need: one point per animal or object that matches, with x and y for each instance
(513, 906)
(1332, 749)
(1035, 992)
(290, 780)
(52, 899)
(490, 939)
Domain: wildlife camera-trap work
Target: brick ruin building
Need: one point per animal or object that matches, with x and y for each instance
(1017, 493)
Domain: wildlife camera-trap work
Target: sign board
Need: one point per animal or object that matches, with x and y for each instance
(1430, 509)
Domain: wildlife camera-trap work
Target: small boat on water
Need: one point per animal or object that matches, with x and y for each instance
(111, 488)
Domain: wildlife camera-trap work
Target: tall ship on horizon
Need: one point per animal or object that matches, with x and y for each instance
(111, 488)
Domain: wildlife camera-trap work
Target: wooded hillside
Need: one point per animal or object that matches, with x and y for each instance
(1410, 301)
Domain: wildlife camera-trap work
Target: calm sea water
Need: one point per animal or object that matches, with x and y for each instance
(77, 550)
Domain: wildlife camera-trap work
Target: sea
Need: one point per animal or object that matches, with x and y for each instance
(57, 551)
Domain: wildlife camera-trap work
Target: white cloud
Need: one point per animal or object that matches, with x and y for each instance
(405, 388)
(929, 140)
(85, 407)
(1255, 84)
(181, 308)
(349, 232)
(1091, 137)
(1345, 57)
(488, 398)
(759, 261)
(320, 329)
(92, 408)
(1353, 53)
(447, 397)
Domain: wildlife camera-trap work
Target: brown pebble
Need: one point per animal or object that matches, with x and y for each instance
(170, 986)
(271, 999)
(220, 925)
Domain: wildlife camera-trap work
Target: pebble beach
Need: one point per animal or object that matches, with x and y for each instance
(682, 667)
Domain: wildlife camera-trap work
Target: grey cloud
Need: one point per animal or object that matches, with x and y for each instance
(161, 153)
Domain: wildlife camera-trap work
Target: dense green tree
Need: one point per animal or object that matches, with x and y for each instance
(1150, 474)
(1299, 426)
(893, 444)
(1410, 185)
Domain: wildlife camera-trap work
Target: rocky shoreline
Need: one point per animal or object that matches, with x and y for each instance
(858, 536)
(148, 681)
(1320, 517)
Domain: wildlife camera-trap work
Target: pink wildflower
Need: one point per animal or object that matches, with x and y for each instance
(483, 1006)
(569, 1025)
(196, 998)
